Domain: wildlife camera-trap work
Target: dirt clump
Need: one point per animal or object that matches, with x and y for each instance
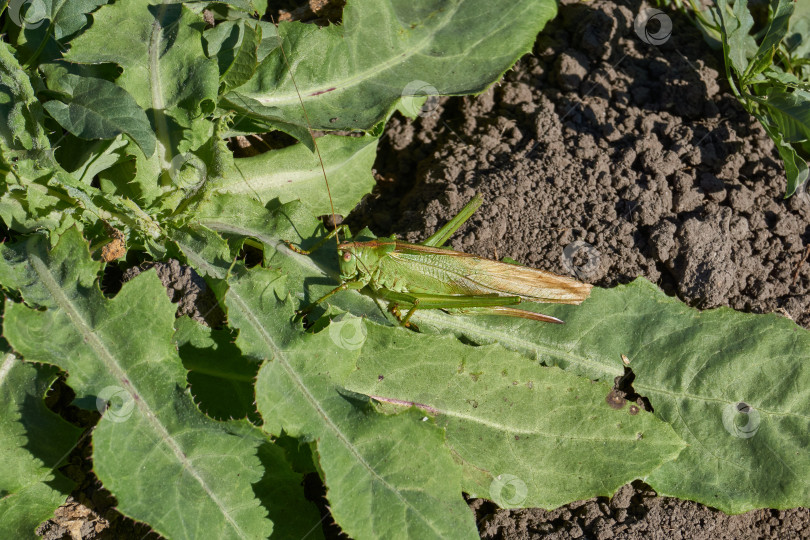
(634, 512)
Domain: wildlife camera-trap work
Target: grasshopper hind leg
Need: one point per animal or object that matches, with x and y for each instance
(467, 305)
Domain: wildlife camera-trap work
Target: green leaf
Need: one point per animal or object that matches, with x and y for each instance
(153, 439)
(763, 87)
(99, 157)
(294, 172)
(798, 37)
(26, 161)
(548, 434)
(738, 44)
(274, 226)
(776, 31)
(235, 45)
(786, 116)
(205, 250)
(21, 116)
(387, 476)
(37, 193)
(98, 109)
(696, 368)
(34, 441)
(796, 168)
(159, 45)
(65, 16)
(351, 76)
(790, 111)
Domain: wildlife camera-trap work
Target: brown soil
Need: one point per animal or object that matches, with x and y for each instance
(604, 140)
(637, 513)
(608, 158)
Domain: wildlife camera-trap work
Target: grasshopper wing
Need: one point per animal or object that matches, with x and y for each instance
(463, 273)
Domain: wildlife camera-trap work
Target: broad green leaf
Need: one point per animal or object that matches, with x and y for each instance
(777, 29)
(386, 476)
(205, 250)
(270, 40)
(738, 44)
(790, 111)
(65, 17)
(235, 45)
(308, 277)
(34, 441)
(796, 168)
(222, 383)
(153, 439)
(21, 116)
(695, 368)
(159, 45)
(775, 74)
(294, 172)
(548, 435)
(98, 109)
(351, 76)
(99, 156)
(798, 37)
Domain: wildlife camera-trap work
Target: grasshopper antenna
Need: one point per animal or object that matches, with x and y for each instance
(309, 125)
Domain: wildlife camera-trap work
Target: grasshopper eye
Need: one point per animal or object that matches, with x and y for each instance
(347, 256)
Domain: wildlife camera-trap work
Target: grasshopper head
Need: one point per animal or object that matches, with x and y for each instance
(360, 260)
(349, 260)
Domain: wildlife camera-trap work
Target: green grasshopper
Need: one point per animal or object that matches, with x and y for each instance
(429, 276)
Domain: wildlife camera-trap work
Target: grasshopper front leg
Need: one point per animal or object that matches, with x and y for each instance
(346, 285)
(322, 241)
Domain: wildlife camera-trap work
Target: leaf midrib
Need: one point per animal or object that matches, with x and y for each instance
(279, 355)
(109, 360)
